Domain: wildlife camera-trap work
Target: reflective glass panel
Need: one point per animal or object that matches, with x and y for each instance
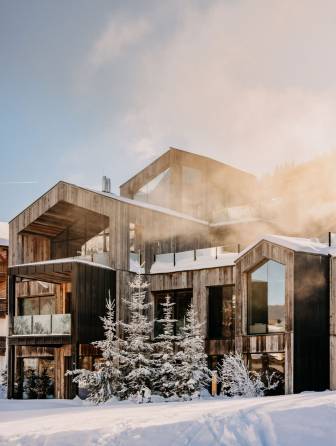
(266, 299)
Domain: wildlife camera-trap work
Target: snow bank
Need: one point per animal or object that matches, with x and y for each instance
(306, 419)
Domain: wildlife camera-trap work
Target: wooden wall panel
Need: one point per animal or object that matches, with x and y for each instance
(252, 259)
(198, 281)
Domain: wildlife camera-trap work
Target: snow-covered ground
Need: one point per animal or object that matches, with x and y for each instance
(305, 419)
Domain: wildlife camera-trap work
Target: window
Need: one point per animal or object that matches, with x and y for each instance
(221, 312)
(266, 299)
(267, 364)
(192, 191)
(156, 191)
(37, 305)
(182, 300)
(136, 257)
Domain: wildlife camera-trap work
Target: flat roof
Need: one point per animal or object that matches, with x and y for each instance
(52, 271)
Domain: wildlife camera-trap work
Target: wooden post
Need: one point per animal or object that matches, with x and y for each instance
(11, 349)
(10, 371)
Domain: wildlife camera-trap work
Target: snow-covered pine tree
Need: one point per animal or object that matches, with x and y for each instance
(105, 381)
(165, 362)
(191, 360)
(137, 364)
(3, 383)
(238, 380)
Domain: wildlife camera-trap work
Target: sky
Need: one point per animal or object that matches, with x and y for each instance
(91, 88)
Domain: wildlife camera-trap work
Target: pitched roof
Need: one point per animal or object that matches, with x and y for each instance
(296, 244)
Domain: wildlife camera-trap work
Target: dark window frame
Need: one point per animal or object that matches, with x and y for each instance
(174, 298)
(210, 334)
(248, 362)
(249, 294)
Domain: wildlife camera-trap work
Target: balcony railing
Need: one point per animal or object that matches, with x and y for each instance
(193, 258)
(46, 324)
(135, 265)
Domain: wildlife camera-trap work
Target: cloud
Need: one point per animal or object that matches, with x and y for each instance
(119, 35)
(241, 82)
(249, 83)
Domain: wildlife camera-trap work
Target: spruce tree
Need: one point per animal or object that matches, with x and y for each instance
(193, 373)
(137, 364)
(105, 381)
(166, 374)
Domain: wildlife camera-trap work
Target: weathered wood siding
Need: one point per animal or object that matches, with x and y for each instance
(46, 216)
(198, 281)
(91, 287)
(266, 343)
(217, 182)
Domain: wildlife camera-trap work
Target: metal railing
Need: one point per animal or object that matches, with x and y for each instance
(135, 263)
(180, 259)
(46, 324)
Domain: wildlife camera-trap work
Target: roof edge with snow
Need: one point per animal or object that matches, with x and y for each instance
(296, 244)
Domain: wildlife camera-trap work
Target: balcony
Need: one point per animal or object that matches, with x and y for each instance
(195, 259)
(46, 324)
(134, 263)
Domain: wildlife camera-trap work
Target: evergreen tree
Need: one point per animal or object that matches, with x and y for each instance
(192, 371)
(3, 383)
(238, 380)
(44, 385)
(165, 362)
(105, 381)
(30, 384)
(137, 363)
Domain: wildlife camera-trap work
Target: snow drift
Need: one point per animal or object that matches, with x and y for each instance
(307, 418)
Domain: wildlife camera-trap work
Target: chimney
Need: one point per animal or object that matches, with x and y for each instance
(106, 184)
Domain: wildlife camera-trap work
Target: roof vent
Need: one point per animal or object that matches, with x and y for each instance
(106, 184)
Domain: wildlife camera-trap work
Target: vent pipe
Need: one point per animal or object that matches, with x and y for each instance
(106, 184)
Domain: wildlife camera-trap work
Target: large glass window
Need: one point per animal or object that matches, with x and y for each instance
(266, 299)
(192, 191)
(37, 305)
(221, 312)
(271, 366)
(156, 191)
(182, 300)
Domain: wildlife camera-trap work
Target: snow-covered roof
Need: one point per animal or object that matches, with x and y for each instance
(234, 222)
(150, 206)
(226, 259)
(65, 260)
(298, 244)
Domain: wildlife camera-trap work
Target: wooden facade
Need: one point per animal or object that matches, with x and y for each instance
(87, 287)
(3, 299)
(198, 281)
(304, 340)
(216, 183)
(48, 238)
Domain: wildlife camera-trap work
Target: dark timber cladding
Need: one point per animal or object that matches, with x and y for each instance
(92, 286)
(311, 322)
